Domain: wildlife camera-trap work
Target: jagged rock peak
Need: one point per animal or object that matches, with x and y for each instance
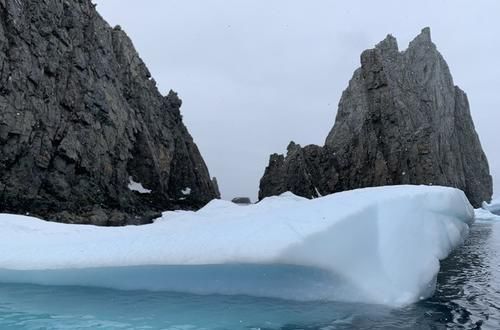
(401, 120)
(388, 44)
(292, 146)
(173, 99)
(424, 38)
(85, 135)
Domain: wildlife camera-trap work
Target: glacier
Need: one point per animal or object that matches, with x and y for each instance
(376, 245)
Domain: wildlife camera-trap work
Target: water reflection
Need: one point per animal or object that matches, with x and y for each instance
(467, 289)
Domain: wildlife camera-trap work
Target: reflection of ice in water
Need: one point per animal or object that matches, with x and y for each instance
(51, 308)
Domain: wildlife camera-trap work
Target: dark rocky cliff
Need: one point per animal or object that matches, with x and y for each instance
(400, 121)
(81, 119)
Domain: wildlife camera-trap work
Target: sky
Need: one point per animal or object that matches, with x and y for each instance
(255, 74)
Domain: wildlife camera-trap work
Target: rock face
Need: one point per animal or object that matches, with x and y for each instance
(241, 200)
(81, 119)
(400, 121)
(215, 184)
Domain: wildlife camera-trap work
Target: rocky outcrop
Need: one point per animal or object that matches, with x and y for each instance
(82, 122)
(215, 184)
(241, 200)
(400, 121)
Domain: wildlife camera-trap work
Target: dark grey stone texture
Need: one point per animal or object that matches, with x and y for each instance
(241, 200)
(401, 120)
(215, 184)
(80, 116)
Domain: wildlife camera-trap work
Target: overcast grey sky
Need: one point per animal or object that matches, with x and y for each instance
(255, 74)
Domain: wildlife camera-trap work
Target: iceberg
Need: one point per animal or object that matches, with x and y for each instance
(489, 212)
(376, 245)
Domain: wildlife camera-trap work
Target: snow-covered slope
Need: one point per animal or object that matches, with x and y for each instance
(377, 245)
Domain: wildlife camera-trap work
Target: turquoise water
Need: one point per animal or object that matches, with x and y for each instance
(467, 297)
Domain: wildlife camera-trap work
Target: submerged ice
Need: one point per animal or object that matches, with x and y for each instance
(376, 245)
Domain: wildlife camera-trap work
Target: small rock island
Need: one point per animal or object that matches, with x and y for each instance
(401, 120)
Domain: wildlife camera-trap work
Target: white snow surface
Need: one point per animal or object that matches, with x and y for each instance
(137, 186)
(375, 245)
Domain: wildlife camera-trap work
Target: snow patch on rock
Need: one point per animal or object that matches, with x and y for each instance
(137, 186)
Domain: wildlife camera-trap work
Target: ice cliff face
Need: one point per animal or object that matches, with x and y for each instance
(80, 117)
(401, 120)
